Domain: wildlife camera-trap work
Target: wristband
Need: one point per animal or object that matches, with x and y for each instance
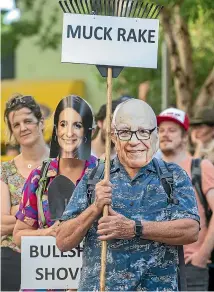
(138, 229)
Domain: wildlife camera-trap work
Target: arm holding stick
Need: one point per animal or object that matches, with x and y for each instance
(176, 232)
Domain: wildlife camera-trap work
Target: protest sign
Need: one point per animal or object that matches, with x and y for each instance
(44, 266)
(104, 40)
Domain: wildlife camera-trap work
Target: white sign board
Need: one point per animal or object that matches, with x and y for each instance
(44, 266)
(107, 40)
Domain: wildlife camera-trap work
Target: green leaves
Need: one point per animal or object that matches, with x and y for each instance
(42, 18)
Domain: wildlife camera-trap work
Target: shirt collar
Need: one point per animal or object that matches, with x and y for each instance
(54, 166)
(88, 164)
(116, 165)
(150, 167)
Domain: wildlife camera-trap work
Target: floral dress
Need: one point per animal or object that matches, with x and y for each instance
(10, 175)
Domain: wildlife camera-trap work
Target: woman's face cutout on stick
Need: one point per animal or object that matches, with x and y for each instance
(70, 132)
(73, 120)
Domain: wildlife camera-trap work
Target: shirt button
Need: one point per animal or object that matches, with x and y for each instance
(132, 204)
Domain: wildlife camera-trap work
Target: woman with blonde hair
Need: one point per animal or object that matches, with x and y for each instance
(25, 126)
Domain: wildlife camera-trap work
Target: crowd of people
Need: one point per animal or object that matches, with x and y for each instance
(173, 135)
(160, 194)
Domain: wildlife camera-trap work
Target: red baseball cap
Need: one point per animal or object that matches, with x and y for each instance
(174, 115)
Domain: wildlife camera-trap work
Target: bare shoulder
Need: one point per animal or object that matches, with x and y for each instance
(206, 165)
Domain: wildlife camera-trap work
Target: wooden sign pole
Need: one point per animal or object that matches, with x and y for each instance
(107, 171)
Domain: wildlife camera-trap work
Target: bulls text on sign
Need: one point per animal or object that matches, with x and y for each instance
(44, 266)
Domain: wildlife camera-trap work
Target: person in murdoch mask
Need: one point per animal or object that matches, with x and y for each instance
(70, 157)
(143, 228)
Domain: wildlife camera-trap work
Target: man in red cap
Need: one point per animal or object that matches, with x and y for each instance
(173, 134)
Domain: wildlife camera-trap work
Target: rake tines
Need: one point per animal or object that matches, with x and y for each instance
(119, 8)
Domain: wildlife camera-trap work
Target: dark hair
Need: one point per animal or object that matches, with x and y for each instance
(101, 115)
(17, 102)
(84, 110)
(124, 98)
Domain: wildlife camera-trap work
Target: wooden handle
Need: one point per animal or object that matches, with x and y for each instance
(107, 172)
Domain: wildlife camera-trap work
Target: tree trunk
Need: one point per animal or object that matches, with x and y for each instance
(184, 47)
(177, 60)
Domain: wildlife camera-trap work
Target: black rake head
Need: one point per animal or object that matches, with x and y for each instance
(119, 8)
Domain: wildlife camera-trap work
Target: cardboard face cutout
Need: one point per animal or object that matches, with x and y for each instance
(72, 130)
(135, 133)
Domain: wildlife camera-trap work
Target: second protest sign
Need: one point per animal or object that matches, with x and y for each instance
(44, 266)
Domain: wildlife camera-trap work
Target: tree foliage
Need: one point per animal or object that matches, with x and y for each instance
(188, 27)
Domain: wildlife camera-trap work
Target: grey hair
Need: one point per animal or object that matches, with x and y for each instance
(117, 109)
(131, 100)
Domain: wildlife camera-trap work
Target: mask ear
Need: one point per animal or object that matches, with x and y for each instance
(155, 142)
(113, 138)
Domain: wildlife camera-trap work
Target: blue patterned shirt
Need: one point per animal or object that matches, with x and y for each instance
(135, 264)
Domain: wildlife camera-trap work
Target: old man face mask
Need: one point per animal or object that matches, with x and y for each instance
(135, 133)
(73, 121)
